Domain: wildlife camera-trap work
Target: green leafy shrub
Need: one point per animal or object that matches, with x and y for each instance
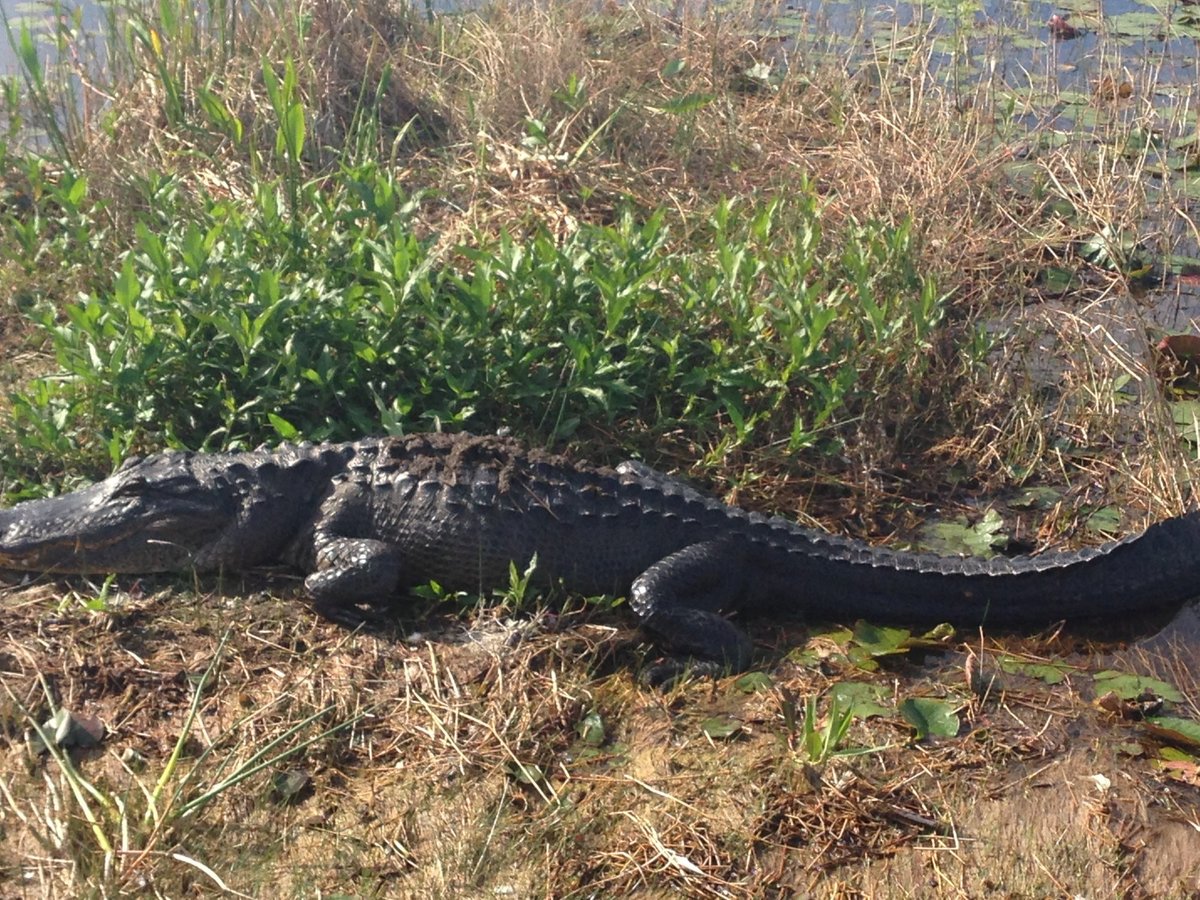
(328, 318)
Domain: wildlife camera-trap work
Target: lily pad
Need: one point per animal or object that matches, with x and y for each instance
(1137, 24)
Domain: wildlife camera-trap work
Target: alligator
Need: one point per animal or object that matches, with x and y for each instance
(364, 520)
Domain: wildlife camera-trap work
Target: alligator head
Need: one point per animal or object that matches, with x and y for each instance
(156, 514)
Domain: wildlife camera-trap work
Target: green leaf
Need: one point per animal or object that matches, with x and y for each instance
(525, 773)
(1058, 280)
(27, 52)
(1052, 672)
(76, 189)
(753, 682)
(591, 729)
(127, 289)
(688, 103)
(1174, 753)
(720, 727)
(283, 427)
(931, 717)
(861, 699)
(1036, 498)
(1186, 414)
(1106, 520)
(1174, 730)
(981, 539)
(937, 636)
(218, 113)
(289, 786)
(1128, 687)
(880, 640)
(294, 130)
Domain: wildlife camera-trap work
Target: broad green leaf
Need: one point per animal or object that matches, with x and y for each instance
(1040, 497)
(981, 539)
(525, 773)
(27, 52)
(1058, 279)
(289, 786)
(1174, 753)
(688, 103)
(931, 717)
(1186, 414)
(591, 729)
(76, 190)
(937, 636)
(720, 727)
(1128, 687)
(879, 640)
(1052, 672)
(283, 427)
(1175, 730)
(294, 130)
(753, 682)
(861, 699)
(1106, 520)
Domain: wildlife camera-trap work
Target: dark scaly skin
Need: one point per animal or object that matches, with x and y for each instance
(366, 520)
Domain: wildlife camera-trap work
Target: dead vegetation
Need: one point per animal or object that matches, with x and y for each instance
(462, 761)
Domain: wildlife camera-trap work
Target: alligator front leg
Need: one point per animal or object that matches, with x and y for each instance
(679, 599)
(351, 572)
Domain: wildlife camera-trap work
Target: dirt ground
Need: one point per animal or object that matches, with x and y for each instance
(461, 761)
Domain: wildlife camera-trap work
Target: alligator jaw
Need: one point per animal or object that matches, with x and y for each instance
(127, 523)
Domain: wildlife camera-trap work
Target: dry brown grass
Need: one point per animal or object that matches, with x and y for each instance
(433, 790)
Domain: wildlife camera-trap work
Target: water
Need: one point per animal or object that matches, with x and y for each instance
(974, 39)
(87, 19)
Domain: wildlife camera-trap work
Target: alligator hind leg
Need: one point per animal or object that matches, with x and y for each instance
(351, 572)
(679, 599)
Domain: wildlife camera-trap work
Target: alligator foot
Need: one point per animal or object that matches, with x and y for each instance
(666, 673)
(351, 572)
(678, 598)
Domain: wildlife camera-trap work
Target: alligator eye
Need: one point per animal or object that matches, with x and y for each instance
(129, 463)
(130, 487)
